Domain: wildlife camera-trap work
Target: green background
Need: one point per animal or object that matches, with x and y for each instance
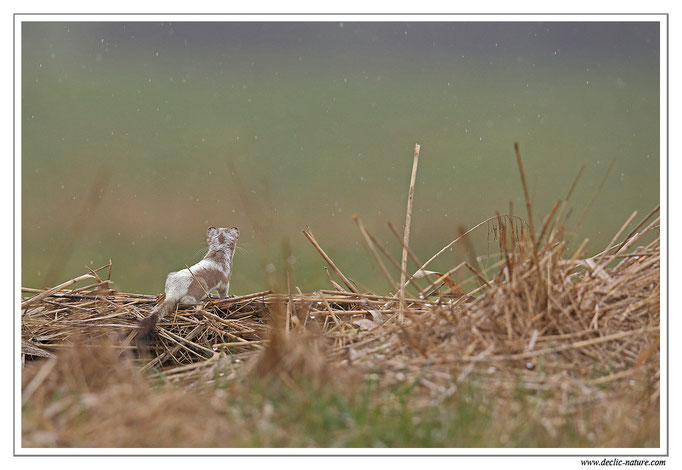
(137, 136)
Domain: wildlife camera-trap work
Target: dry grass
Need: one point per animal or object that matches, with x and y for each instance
(555, 340)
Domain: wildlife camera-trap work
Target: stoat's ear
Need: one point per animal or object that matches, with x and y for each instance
(210, 231)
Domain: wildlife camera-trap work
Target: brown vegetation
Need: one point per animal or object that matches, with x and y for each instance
(577, 336)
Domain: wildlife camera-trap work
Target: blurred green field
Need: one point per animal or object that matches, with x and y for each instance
(274, 139)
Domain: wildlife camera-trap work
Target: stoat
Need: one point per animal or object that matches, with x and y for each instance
(191, 286)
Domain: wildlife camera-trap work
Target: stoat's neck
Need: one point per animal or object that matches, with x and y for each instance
(221, 255)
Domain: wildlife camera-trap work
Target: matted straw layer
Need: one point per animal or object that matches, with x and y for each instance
(571, 317)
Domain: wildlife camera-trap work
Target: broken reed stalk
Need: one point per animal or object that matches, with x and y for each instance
(208, 295)
(309, 235)
(370, 245)
(446, 247)
(654, 223)
(529, 208)
(595, 194)
(483, 281)
(563, 347)
(334, 284)
(575, 181)
(559, 223)
(433, 287)
(406, 238)
(547, 221)
(239, 298)
(503, 243)
(49, 292)
(409, 252)
(393, 261)
(600, 260)
(580, 249)
(159, 359)
(469, 246)
(626, 240)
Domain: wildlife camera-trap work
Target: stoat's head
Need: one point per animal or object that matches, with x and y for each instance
(222, 238)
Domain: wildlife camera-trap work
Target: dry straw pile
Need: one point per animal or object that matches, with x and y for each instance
(581, 331)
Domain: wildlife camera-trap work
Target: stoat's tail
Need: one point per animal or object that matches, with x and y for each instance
(148, 324)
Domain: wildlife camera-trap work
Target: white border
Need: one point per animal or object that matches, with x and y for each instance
(17, 236)
(598, 453)
(287, 17)
(664, 155)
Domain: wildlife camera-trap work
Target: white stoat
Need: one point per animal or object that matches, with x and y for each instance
(212, 272)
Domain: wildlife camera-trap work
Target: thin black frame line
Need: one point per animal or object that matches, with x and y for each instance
(667, 229)
(14, 233)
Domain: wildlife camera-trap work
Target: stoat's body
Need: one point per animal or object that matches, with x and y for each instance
(191, 286)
